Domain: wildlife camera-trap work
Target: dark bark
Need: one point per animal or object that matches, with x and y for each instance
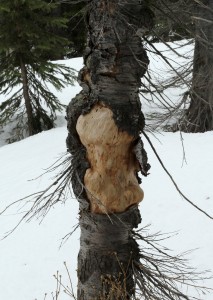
(37, 118)
(115, 61)
(27, 101)
(107, 252)
(199, 115)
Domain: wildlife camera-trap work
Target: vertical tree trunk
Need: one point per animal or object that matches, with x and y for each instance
(199, 116)
(27, 101)
(104, 123)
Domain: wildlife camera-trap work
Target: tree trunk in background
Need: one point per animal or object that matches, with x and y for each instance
(27, 101)
(199, 115)
(104, 123)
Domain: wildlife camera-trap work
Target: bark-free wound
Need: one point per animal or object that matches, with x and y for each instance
(104, 122)
(110, 182)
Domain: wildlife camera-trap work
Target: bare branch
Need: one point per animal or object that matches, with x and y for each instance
(173, 181)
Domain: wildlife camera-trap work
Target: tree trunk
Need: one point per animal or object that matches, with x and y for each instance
(199, 115)
(27, 101)
(104, 123)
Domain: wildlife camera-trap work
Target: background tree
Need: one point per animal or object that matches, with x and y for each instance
(199, 115)
(27, 41)
(76, 29)
(181, 19)
(172, 20)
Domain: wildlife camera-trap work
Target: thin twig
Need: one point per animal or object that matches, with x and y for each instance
(173, 181)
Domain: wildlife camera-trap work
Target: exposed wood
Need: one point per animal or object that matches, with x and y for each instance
(104, 123)
(110, 182)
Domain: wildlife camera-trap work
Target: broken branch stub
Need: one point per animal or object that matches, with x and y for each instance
(110, 182)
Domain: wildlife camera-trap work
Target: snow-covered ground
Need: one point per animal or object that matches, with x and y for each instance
(32, 254)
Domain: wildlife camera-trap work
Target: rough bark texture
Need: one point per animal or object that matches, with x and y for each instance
(199, 116)
(114, 63)
(106, 255)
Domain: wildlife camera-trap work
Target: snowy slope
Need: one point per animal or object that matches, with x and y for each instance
(64, 96)
(31, 255)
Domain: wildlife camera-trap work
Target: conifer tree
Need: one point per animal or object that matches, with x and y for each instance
(76, 31)
(27, 40)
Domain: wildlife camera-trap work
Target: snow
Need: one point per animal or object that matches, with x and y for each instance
(32, 254)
